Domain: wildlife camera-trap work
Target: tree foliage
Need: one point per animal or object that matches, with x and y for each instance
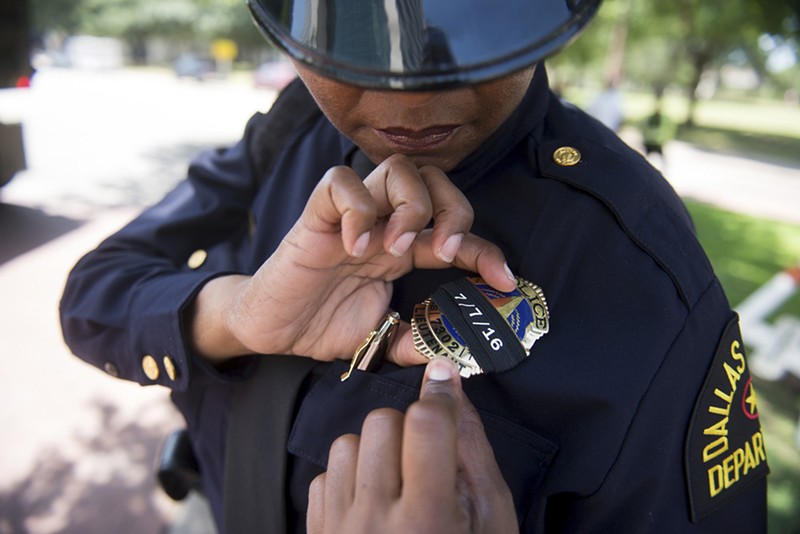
(134, 20)
(664, 43)
(674, 43)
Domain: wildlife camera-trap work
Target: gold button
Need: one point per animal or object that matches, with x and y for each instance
(150, 367)
(566, 156)
(197, 258)
(169, 367)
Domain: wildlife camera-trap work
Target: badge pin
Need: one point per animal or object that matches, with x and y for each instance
(373, 349)
(483, 330)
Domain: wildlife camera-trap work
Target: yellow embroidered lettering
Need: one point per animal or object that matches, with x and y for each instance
(737, 355)
(736, 465)
(717, 429)
(720, 411)
(727, 397)
(715, 480)
(749, 459)
(727, 470)
(758, 447)
(715, 448)
(733, 376)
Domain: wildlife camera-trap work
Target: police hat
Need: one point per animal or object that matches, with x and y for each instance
(420, 44)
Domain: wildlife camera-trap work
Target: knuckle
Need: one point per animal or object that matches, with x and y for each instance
(338, 175)
(397, 159)
(344, 446)
(416, 209)
(381, 418)
(462, 211)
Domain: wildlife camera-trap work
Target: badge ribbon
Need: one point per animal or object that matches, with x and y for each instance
(483, 330)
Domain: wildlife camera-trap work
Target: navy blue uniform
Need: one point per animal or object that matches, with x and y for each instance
(634, 413)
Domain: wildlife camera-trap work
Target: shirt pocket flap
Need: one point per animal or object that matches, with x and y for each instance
(333, 408)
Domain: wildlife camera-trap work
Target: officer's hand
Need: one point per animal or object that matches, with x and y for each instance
(330, 281)
(430, 471)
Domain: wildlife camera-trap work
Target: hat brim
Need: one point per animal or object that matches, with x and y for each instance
(420, 44)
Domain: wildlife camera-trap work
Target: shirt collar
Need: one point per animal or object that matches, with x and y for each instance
(525, 120)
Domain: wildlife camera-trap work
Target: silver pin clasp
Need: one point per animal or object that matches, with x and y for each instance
(373, 349)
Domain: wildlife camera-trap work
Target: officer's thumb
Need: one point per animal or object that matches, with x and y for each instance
(442, 383)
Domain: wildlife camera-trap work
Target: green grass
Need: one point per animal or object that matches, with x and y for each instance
(746, 252)
(771, 147)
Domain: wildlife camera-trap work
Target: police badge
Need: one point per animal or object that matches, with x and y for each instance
(483, 330)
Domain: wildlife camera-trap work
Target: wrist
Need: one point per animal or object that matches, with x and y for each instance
(211, 335)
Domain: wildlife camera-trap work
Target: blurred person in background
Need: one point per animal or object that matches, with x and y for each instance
(422, 144)
(607, 106)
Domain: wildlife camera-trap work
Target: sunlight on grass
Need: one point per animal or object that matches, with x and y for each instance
(745, 253)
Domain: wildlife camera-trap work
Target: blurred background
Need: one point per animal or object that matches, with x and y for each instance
(104, 102)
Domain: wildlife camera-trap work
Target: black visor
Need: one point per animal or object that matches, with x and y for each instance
(420, 44)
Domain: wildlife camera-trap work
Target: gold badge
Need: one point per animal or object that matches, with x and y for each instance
(483, 330)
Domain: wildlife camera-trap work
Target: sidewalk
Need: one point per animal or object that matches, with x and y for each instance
(735, 183)
(759, 188)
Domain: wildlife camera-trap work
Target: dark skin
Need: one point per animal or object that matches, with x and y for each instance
(354, 239)
(431, 470)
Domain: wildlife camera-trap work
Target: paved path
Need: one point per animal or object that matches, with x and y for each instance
(735, 183)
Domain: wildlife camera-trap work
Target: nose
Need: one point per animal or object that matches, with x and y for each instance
(413, 99)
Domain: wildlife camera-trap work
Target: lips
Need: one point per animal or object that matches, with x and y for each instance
(425, 139)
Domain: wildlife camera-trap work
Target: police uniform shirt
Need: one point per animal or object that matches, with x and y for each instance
(634, 413)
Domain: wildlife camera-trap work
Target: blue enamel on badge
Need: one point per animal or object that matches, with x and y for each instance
(483, 330)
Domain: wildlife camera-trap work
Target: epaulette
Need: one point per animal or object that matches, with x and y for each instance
(644, 204)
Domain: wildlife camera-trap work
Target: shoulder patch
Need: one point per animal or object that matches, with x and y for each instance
(725, 449)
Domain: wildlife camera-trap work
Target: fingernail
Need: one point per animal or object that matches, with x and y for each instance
(361, 244)
(448, 251)
(509, 274)
(441, 369)
(402, 243)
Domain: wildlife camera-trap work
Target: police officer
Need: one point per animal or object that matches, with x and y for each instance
(629, 407)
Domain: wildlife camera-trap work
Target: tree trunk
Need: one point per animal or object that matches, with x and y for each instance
(700, 60)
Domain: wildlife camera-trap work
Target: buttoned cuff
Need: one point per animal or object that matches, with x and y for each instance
(157, 337)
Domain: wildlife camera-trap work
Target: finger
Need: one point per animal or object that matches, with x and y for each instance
(400, 193)
(452, 213)
(475, 254)
(315, 519)
(429, 463)
(401, 351)
(341, 476)
(489, 496)
(476, 458)
(378, 471)
(341, 202)
(442, 382)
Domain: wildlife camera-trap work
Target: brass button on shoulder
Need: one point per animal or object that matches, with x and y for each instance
(197, 258)
(567, 156)
(150, 367)
(169, 367)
